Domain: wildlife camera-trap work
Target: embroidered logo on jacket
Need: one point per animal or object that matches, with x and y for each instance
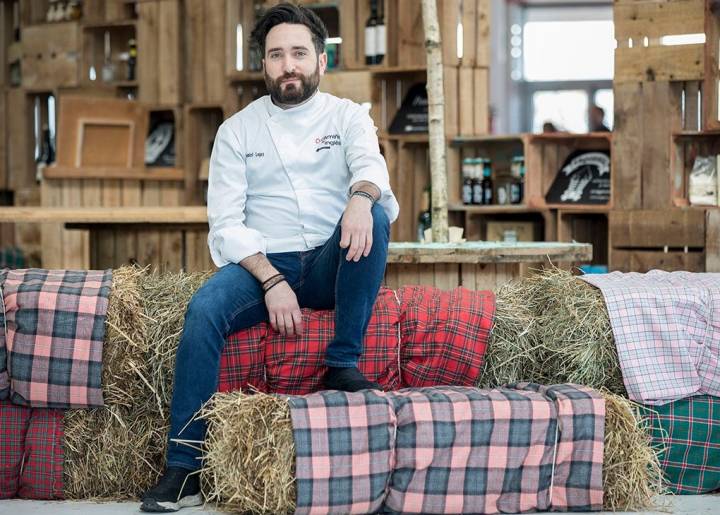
(326, 142)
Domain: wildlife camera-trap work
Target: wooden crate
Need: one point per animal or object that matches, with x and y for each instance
(585, 227)
(50, 56)
(646, 171)
(93, 53)
(712, 240)
(105, 11)
(669, 239)
(160, 65)
(466, 98)
(205, 61)
(546, 154)
(20, 140)
(639, 27)
(33, 12)
(202, 125)
(711, 85)
(686, 147)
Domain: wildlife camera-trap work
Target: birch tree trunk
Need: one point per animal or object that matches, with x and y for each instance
(436, 114)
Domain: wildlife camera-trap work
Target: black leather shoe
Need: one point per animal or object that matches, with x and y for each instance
(177, 488)
(347, 380)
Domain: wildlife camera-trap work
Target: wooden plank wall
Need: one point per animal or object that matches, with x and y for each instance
(114, 246)
(159, 67)
(650, 85)
(446, 276)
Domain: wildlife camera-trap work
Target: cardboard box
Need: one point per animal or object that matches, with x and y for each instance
(510, 231)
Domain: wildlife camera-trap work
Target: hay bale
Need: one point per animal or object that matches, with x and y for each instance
(632, 476)
(513, 352)
(117, 452)
(250, 455)
(249, 464)
(552, 328)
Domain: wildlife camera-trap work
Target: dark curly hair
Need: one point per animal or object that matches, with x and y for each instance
(288, 13)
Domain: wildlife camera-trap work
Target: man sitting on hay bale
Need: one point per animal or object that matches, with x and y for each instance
(299, 207)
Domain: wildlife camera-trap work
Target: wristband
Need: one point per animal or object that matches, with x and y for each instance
(273, 285)
(365, 194)
(270, 279)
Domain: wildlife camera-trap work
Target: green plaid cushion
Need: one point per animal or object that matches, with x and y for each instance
(689, 429)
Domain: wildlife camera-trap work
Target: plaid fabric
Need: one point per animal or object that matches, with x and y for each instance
(444, 335)
(42, 472)
(689, 432)
(269, 361)
(14, 422)
(55, 332)
(434, 337)
(344, 446)
(667, 332)
(4, 377)
(455, 450)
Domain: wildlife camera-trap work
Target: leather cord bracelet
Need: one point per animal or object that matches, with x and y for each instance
(282, 280)
(361, 193)
(269, 279)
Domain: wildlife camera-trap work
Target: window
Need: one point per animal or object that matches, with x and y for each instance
(561, 61)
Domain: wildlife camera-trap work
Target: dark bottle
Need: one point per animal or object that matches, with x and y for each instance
(132, 60)
(467, 186)
(16, 20)
(371, 34)
(46, 155)
(425, 217)
(477, 191)
(487, 184)
(380, 34)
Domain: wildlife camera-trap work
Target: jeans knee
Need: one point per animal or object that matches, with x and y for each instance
(381, 223)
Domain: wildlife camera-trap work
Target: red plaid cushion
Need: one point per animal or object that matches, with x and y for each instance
(268, 361)
(13, 426)
(444, 335)
(42, 473)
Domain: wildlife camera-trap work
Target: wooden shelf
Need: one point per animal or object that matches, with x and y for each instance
(495, 209)
(695, 134)
(406, 138)
(560, 136)
(581, 208)
(487, 252)
(391, 70)
(106, 215)
(123, 83)
(243, 76)
(490, 138)
(147, 173)
(109, 24)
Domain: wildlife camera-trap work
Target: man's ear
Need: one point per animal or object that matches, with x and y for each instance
(322, 63)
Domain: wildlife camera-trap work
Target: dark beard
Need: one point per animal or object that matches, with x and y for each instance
(293, 94)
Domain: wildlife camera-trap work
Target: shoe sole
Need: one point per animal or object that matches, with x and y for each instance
(153, 506)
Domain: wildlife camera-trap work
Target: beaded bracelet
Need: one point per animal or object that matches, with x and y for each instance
(364, 194)
(273, 285)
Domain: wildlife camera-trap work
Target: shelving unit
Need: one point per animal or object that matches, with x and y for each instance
(687, 145)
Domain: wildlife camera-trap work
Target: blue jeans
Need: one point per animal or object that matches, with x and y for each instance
(232, 299)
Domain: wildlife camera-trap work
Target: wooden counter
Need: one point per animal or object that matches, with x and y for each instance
(475, 265)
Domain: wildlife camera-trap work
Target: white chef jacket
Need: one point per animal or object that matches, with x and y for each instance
(280, 178)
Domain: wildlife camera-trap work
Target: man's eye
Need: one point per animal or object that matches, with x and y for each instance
(301, 53)
(274, 55)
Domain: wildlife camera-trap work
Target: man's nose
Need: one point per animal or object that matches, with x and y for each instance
(288, 64)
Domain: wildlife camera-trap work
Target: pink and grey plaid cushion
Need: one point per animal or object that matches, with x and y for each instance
(667, 332)
(55, 331)
(450, 450)
(4, 377)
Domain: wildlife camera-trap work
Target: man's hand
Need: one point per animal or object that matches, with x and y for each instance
(283, 310)
(356, 228)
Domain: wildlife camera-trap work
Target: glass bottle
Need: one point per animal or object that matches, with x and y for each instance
(467, 187)
(487, 183)
(371, 34)
(425, 217)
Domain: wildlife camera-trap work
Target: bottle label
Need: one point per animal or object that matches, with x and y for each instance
(370, 41)
(380, 40)
(477, 195)
(467, 194)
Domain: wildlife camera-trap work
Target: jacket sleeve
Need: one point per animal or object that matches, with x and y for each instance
(364, 160)
(230, 241)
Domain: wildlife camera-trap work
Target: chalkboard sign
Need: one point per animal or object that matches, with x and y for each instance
(584, 178)
(412, 116)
